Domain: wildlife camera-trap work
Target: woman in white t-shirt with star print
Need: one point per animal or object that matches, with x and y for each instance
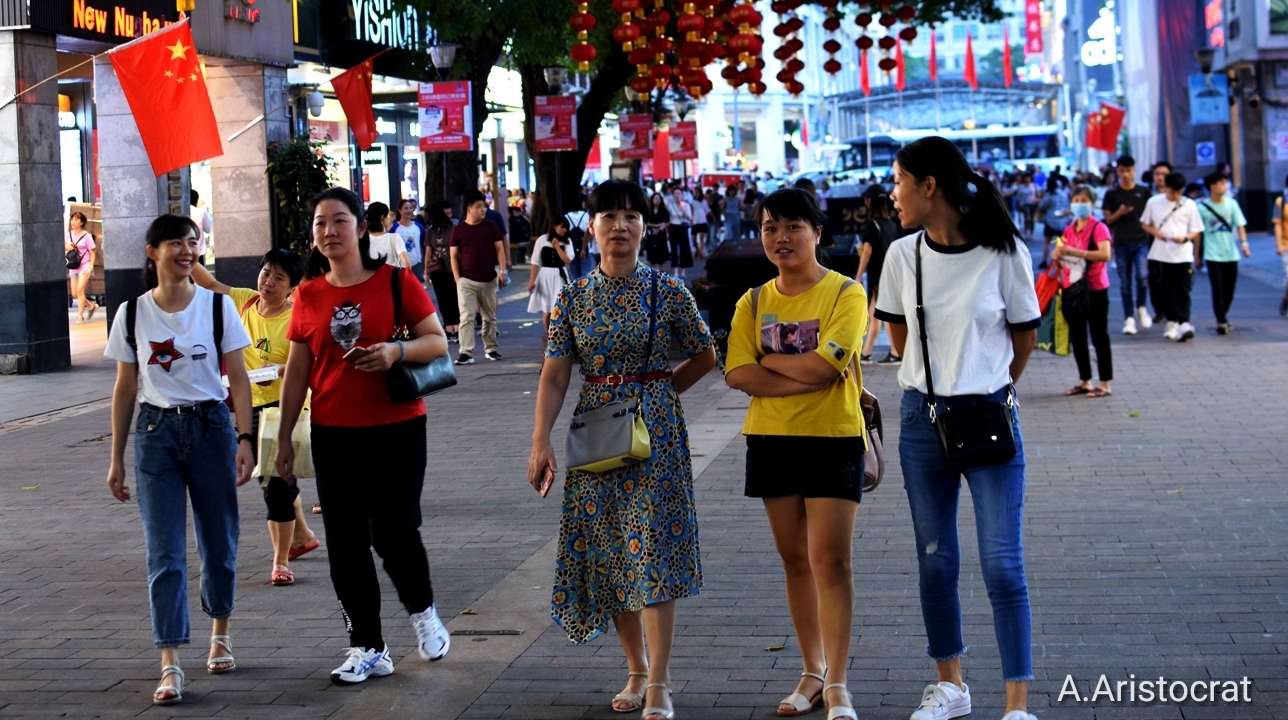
(185, 444)
(981, 316)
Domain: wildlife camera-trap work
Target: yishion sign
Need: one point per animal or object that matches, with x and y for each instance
(384, 22)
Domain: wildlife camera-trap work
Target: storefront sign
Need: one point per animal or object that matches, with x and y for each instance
(555, 119)
(636, 137)
(373, 156)
(382, 22)
(243, 10)
(66, 120)
(1212, 21)
(683, 141)
(114, 20)
(1209, 99)
(446, 116)
(1033, 27)
(1101, 48)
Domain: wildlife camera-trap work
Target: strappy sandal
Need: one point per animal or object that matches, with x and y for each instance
(1077, 390)
(165, 687)
(296, 552)
(1098, 393)
(635, 699)
(650, 712)
(840, 711)
(802, 705)
(223, 642)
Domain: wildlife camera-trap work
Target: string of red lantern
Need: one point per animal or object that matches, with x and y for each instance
(582, 22)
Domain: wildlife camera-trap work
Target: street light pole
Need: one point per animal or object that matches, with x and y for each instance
(443, 55)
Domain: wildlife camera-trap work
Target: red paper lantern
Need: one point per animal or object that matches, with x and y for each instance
(795, 65)
(780, 6)
(794, 45)
(757, 88)
(908, 34)
(642, 84)
(888, 20)
(741, 14)
(759, 62)
(660, 72)
(582, 53)
(746, 43)
(717, 51)
(887, 64)
(659, 18)
(863, 19)
(785, 76)
(782, 52)
(832, 24)
(794, 24)
(626, 35)
(832, 46)
(782, 30)
(690, 23)
(714, 25)
(864, 43)
(752, 74)
(754, 19)
(795, 88)
(582, 22)
(660, 46)
(832, 66)
(640, 56)
(622, 7)
(886, 43)
(729, 72)
(906, 13)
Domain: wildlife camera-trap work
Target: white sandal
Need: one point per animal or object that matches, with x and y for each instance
(656, 711)
(166, 672)
(635, 699)
(802, 705)
(223, 642)
(840, 711)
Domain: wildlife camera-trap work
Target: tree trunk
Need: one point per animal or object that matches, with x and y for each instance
(463, 167)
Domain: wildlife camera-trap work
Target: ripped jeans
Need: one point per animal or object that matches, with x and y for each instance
(997, 492)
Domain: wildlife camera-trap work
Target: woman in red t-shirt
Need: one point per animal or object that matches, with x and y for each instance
(1086, 249)
(343, 316)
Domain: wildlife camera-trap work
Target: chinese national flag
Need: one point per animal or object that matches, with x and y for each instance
(1007, 70)
(934, 58)
(1104, 126)
(899, 79)
(968, 71)
(353, 90)
(161, 77)
(864, 82)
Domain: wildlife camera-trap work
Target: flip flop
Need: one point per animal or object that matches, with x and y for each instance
(1098, 393)
(304, 549)
(1077, 390)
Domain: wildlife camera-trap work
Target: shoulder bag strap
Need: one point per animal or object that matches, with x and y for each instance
(400, 330)
(217, 315)
(131, 316)
(253, 299)
(921, 330)
(1225, 224)
(652, 325)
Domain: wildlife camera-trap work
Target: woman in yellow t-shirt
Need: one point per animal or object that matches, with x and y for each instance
(266, 314)
(792, 348)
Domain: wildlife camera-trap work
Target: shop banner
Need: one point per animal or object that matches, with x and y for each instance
(555, 120)
(637, 137)
(1032, 27)
(683, 141)
(446, 116)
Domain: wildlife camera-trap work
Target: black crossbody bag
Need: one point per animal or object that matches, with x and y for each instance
(973, 435)
(407, 381)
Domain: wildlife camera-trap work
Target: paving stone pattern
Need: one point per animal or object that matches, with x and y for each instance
(1154, 531)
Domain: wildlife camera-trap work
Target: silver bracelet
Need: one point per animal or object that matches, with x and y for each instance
(402, 351)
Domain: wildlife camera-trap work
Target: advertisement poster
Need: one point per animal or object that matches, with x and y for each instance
(683, 141)
(1032, 27)
(555, 121)
(446, 116)
(636, 137)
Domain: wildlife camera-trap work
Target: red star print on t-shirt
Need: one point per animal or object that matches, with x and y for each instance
(163, 353)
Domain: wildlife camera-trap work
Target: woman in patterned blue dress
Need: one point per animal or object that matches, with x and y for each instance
(629, 537)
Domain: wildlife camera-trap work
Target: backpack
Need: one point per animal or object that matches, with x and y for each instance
(73, 256)
(216, 314)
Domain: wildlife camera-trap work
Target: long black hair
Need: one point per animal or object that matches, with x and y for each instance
(166, 227)
(436, 214)
(316, 265)
(985, 219)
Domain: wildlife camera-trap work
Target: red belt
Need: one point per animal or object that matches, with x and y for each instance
(623, 379)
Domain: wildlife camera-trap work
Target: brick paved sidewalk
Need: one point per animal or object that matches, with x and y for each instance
(1154, 538)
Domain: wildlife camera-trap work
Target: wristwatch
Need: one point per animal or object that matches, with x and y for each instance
(246, 436)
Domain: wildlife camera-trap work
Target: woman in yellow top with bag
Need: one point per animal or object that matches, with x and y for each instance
(266, 313)
(792, 349)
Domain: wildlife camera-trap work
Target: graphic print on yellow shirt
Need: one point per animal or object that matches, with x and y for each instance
(830, 320)
(268, 343)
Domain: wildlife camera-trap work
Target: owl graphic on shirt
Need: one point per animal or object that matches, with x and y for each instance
(346, 324)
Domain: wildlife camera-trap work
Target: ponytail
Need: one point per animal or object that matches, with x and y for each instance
(985, 219)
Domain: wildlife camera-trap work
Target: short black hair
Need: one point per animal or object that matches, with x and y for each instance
(193, 197)
(790, 204)
(286, 261)
(1083, 190)
(1126, 161)
(1162, 163)
(1213, 179)
(1174, 180)
(472, 196)
(618, 194)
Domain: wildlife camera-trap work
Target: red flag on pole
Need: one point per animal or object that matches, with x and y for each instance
(864, 83)
(934, 57)
(1007, 71)
(899, 78)
(1104, 126)
(353, 90)
(968, 71)
(161, 77)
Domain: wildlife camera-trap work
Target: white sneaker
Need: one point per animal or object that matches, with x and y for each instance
(433, 640)
(1184, 332)
(1146, 322)
(363, 664)
(1171, 332)
(1129, 326)
(943, 702)
(1018, 715)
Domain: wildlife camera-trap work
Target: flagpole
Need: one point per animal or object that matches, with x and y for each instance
(1010, 129)
(938, 122)
(867, 128)
(974, 141)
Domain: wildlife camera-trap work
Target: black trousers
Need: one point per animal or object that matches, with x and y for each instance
(1222, 276)
(369, 482)
(681, 253)
(1097, 321)
(445, 290)
(1155, 272)
(1175, 281)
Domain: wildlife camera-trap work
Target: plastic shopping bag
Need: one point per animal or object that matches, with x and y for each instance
(270, 423)
(1053, 333)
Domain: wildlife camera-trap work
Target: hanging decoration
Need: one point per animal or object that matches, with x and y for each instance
(582, 22)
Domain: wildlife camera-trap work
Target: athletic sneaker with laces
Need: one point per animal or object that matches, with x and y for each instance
(943, 701)
(890, 359)
(433, 640)
(1145, 321)
(362, 664)
(464, 359)
(1129, 326)
(1018, 715)
(1171, 332)
(1184, 332)
(492, 355)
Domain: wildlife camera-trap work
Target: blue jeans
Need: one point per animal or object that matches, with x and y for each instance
(998, 494)
(1131, 259)
(177, 456)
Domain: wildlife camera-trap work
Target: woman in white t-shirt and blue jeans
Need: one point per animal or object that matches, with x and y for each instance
(185, 445)
(981, 320)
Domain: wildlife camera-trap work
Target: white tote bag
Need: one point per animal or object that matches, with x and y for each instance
(270, 423)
